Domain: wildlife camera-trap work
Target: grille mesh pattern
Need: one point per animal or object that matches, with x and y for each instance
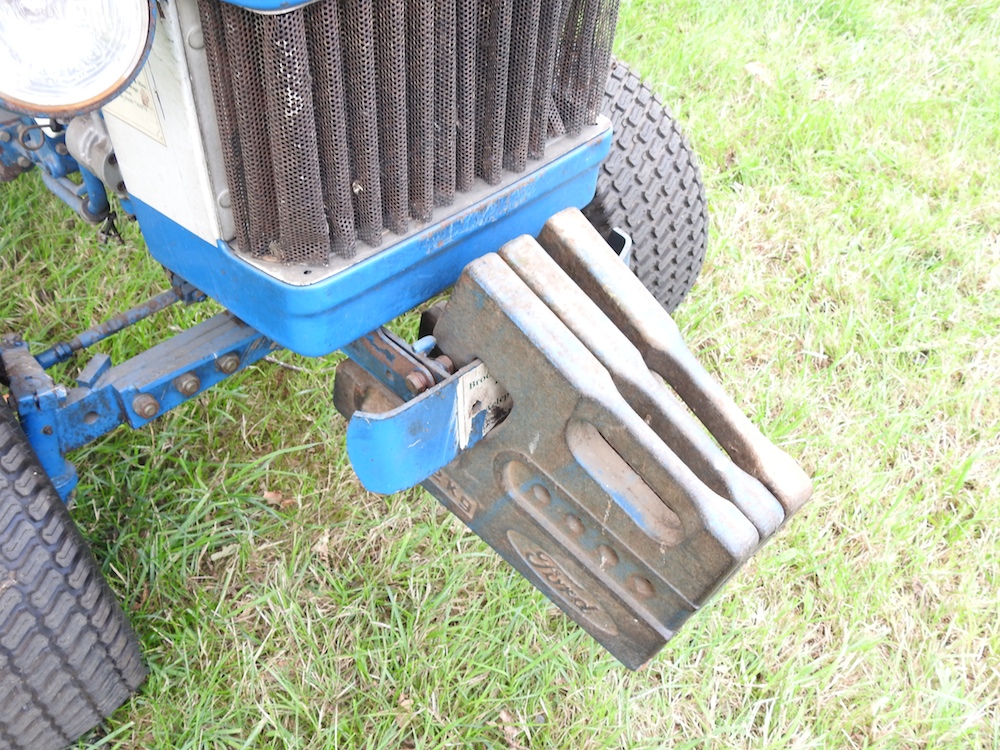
(349, 118)
(326, 56)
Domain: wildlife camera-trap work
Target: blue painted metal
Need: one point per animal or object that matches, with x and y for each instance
(271, 6)
(320, 318)
(58, 421)
(96, 206)
(421, 436)
(68, 192)
(64, 350)
(87, 414)
(391, 360)
(127, 208)
(22, 137)
(37, 398)
(97, 366)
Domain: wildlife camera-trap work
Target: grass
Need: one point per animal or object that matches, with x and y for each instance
(851, 302)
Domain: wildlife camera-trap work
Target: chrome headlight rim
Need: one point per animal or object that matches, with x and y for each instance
(67, 110)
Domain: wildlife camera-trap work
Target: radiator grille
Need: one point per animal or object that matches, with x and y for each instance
(348, 119)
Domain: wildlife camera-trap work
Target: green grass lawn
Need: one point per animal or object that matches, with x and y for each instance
(850, 302)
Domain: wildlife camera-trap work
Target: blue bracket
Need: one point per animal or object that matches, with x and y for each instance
(25, 144)
(57, 420)
(422, 435)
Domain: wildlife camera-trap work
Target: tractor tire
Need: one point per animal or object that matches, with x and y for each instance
(650, 187)
(68, 656)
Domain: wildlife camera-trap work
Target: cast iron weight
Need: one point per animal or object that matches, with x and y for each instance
(571, 240)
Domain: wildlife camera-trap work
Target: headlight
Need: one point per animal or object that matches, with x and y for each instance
(65, 57)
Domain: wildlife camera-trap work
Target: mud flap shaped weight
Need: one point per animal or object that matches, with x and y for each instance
(599, 486)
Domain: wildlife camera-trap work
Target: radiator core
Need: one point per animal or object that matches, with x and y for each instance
(347, 120)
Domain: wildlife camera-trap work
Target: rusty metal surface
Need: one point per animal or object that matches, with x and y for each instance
(575, 489)
(384, 355)
(354, 389)
(645, 393)
(62, 351)
(345, 120)
(596, 483)
(573, 243)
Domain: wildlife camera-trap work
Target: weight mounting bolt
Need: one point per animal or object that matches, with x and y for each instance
(416, 382)
(188, 383)
(228, 363)
(145, 406)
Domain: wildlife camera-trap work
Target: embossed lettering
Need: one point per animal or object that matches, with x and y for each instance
(561, 583)
(460, 503)
(549, 569)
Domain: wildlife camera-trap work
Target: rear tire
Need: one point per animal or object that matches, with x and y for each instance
(650, 187)
(68, 657)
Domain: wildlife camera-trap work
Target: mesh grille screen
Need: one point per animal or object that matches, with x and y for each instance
(347, 118)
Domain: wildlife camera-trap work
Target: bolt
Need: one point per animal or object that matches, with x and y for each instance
(188, 383)
(61, 149)
(4, 136)
(196, 38)
(24, 162)
(416, 382)
(445, 361)
(145, 406)
(228, 363)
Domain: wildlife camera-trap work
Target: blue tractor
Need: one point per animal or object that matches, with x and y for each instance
(320, 167)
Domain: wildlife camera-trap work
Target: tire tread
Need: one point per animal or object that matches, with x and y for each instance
(68, 657)
(650, 186)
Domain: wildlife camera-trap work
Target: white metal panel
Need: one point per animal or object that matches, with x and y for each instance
(159, 145)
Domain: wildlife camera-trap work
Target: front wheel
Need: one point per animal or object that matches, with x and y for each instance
(650, 187)
(68, 657)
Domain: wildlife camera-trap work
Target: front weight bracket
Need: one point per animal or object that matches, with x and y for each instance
(598, 486)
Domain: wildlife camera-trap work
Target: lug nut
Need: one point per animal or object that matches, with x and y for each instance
(416, 382)
(228, 363)
(188, 383)
(145, 406)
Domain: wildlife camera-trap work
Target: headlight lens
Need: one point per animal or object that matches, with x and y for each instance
(66, 57)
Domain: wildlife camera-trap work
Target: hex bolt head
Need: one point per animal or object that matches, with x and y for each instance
(416, 382)
(188, 383)
(145, 406)
(228, 363)
(4, 136)
(24, 162)
(445, 361)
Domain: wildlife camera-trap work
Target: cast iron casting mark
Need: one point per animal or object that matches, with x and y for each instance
(561, 583)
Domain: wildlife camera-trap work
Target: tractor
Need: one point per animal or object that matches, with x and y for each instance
(319, 168)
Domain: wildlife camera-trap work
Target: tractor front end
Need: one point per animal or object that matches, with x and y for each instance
(320, 168)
